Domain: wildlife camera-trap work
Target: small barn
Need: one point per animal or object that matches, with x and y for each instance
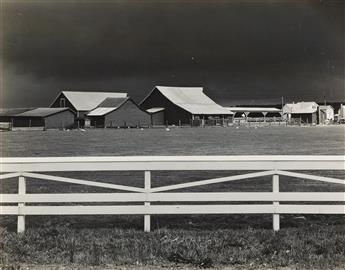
(301, 112)
(183, 105)
(118, 112)
(157, 116)
(326, 114)
(45, 117)
(81, 102)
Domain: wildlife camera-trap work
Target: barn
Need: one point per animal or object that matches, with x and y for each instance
(183, 105)
(81, 102)
(301, 112)
(119, 112)
(45, 118)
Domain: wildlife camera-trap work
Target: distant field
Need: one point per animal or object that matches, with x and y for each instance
(328, 140)
(190, 232)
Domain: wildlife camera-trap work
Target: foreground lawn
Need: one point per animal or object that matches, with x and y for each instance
(321, 247)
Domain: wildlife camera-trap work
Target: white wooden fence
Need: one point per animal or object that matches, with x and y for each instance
(26, 168)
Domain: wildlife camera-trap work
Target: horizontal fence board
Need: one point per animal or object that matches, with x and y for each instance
(173, 209)
(174, 197)
(187, 163)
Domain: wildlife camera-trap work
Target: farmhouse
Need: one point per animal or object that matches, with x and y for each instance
(182, 105)
(326, 114)
(82, 102)
(119, 112)
(44, 118)
(301, 112)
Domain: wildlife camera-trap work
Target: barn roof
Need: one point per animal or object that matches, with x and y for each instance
(107, 106)
(300, 107)
(113, 102)
(42, 112)
(86, 101)
(253, 109)
(191, 99)
(155, 109)
(13, 111)
(325, 107)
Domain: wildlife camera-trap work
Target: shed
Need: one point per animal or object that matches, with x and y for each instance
(301, 112)
(157, 116)
(81, 102)
(326, 114)
(183, 104)
(119, 112)
(255, 111)
(7, 114)
(45, 117)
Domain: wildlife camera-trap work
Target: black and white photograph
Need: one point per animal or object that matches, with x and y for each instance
(172, 134)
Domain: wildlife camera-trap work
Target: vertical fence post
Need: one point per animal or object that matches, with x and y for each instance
(147, 218)
(21, 217)
(275, 187)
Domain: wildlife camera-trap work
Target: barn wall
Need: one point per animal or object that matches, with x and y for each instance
(173, 114)
(97, 121)
(128, 115)
(310, 118)
(68, 104)
(28, 121)
(158, 118)
(63, 119)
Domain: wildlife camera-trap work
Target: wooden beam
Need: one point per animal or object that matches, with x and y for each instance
(82, 182)
(176, 209)
(9, 175)
(147, 218)
(312, 177)
(213, 181)
(152, 163)
(21, 216)
(175, 197)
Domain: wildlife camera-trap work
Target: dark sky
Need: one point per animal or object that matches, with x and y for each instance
(240, 51)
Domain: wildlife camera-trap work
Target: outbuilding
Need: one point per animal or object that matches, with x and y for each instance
(119, 112)
(256, 112)
(184, 105)
(46, 118)
(81, 102)
(301, 112)
(326, 114)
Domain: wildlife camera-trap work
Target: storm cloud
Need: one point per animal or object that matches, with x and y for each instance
(251, 50)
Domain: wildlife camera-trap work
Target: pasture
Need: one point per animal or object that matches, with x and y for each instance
(200, 240)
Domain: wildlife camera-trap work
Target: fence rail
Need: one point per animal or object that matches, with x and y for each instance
(255, 202)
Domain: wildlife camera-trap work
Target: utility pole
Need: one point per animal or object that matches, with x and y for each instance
(282, 102)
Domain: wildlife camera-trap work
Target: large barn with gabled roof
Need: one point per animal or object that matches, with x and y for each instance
(81, 102)
(182, 105)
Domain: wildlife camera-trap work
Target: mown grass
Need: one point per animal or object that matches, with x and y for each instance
(307, 247)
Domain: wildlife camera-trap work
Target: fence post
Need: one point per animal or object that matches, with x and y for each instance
(275, 187)
(21, 217)
(147, 218)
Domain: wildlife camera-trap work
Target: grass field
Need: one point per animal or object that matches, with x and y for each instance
(232, 240)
